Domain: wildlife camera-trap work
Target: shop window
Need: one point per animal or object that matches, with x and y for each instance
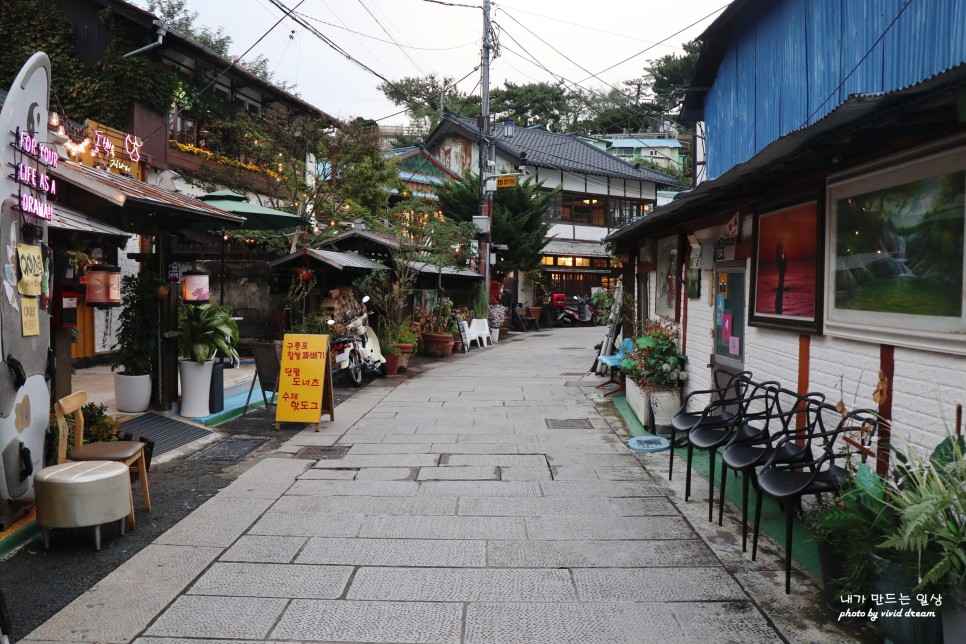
(547, 260)
(565, 261)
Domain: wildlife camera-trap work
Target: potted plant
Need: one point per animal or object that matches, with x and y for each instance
(387, 343)
(929, 501)
(407, 340)
(438, 330)
(535, 280)
(203, 330)
(137, 343)
(496, 316)
(658, 368)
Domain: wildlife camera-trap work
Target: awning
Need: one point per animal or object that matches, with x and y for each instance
(333, 258)
(425, 267)
(124, 192)
(257, 217)
(73, 221)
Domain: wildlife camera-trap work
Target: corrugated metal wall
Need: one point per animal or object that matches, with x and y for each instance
(788, 58)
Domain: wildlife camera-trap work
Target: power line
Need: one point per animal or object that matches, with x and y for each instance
(454, 4)
(856, 66)
(388, 42)
(386, 31)
(660, 42)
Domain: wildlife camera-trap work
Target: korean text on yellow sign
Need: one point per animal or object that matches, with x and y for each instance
(302, 378)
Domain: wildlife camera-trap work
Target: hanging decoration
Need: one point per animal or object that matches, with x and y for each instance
(103, 286)
(303, 281)
(194, 287)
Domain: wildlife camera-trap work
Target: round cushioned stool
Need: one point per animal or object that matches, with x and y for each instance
(87, 493)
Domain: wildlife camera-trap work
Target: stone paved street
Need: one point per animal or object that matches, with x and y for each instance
(458, 515)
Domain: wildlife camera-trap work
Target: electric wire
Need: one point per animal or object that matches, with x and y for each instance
(234, 62)
(386, 31)
(388, 42)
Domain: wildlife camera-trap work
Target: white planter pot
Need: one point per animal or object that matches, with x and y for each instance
(132, 393)
(637, 400)
(664, 404)
(195, 387)
(495, 335)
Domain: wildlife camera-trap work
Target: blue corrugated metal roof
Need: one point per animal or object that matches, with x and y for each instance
(644, 143)
(774, 67)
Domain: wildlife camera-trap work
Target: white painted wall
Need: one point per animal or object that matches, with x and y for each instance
(927, 385)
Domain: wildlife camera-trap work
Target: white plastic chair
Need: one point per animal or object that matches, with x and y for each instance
(474, 334)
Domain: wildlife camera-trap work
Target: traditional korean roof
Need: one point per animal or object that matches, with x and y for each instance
(333, 258)
(580, 249)
(539, 147)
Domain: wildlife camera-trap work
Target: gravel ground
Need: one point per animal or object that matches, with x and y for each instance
(38, 583)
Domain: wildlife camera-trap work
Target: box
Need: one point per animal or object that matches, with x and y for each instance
(558, 299)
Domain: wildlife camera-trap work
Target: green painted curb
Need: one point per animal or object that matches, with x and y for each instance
(17, 539)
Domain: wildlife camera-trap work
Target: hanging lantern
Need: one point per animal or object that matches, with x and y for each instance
(194, 287)
(103, 286)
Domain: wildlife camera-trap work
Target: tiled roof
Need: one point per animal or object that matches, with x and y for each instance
(121, 190)
(566, 152)
(335, 259)
(580, 249)
(68, 219)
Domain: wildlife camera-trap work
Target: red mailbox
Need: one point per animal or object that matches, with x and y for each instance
(558, 299)
(64, 307)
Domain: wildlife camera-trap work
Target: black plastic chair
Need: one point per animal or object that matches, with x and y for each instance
(710, 437)
(816, 473)
(753, 445)
(713, 414)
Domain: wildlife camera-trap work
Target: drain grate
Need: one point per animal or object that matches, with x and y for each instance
(569, 423)
(323, 453)
(228, 450)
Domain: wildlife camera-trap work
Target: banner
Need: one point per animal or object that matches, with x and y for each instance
(305, 380)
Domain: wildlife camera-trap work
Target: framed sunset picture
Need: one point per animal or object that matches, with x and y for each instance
(787, 268)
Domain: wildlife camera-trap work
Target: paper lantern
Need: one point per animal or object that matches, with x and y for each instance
(194, 287)
(103, 286)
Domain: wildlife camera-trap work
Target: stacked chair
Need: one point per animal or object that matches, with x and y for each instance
(781, 442)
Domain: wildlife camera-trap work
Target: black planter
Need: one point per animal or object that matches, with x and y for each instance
(833, 570)
(893, 578)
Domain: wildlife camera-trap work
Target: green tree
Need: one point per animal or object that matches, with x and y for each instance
(519, 217)
(668, 74)
(175, 14)
(531, 104)
(421, 98)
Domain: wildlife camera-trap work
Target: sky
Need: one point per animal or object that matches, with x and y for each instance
(402, 38)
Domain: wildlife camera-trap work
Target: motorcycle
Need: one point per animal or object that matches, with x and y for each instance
(581, 312)
(358, 351)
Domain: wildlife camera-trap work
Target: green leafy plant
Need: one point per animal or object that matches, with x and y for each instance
(656, 361)
(929, 500)
(535, 280)
(405, 334)
(203, 330)
(481, 305)
(442, 320)
(137, 336)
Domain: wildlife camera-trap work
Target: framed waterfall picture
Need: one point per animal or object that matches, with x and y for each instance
(787, 269)
(896, 261)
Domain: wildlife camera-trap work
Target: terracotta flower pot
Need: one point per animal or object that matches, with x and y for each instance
(392, 364)
(438, 345)
(406, 350)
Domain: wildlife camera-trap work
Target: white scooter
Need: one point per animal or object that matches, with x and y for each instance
(358, 351)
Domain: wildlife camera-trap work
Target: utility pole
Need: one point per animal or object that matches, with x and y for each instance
(486, 197)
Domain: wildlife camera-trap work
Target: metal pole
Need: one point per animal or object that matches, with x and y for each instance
(485, 204)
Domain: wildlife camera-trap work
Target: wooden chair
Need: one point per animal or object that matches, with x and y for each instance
(130, 453)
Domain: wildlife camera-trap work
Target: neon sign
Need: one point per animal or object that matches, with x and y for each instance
(33, 178)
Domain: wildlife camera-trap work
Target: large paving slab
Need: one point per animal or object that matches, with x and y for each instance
(353, 488)
(221, 617)
(479, 488)
(439, 527)
(657, 585)
(218, 522)
(466, 585)
(380, 460)
(273, 580)
(591, 553)
(372, 505)
(561, 528)
(370, 621)
(288, 524)
(264, 549)
(394, 552)
(105, 612)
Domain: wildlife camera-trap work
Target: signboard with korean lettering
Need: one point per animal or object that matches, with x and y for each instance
(506, 182)
(305, 380)
(31, 269)
(99, 146)
(30, 316)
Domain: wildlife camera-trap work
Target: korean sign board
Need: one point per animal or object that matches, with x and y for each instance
(305, 381)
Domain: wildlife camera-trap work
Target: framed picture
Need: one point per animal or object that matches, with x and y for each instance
(668, 270)
(787, 269)
(896, 260)
(694, 278)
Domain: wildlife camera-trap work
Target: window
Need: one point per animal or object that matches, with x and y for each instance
(582, 261)
(183, 128)
(547, 260)
(601, 262)
(583, 211)
(565, 261)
